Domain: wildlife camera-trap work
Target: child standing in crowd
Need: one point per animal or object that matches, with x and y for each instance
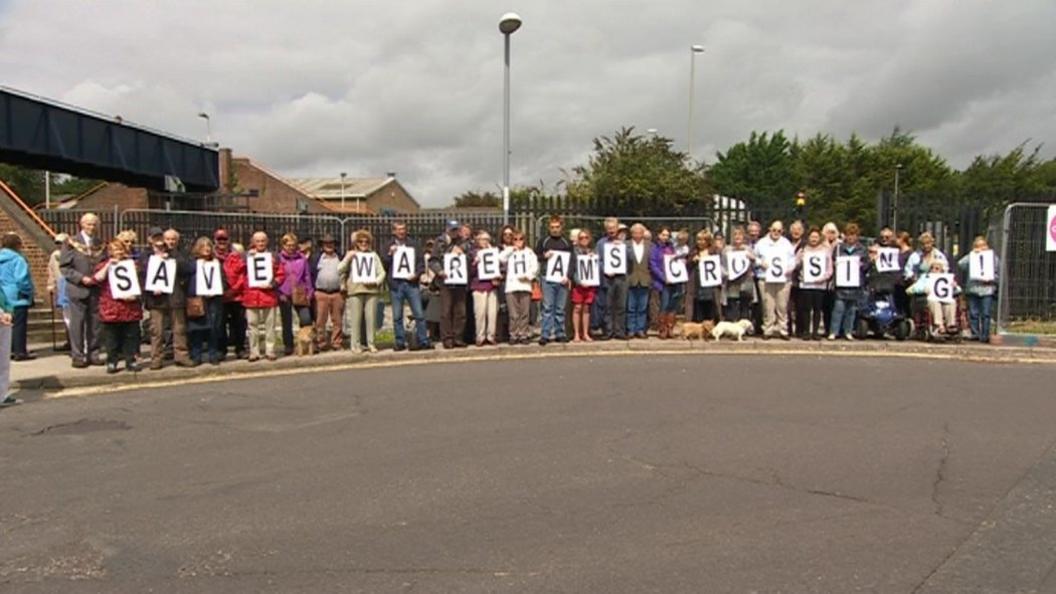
(582, 297)
(519, 289)
(669, 292)
(362, 297)
(261, 303)
(120, 317)
(701, 302)
(845, 309)
(980, 293)
(740, 289)
(205, 313)
(295, 291)
(485, 301)
(810, 298)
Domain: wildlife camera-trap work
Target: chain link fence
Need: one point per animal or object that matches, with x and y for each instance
(1027, 283)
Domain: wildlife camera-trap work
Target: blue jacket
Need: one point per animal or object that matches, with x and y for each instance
(15, 281)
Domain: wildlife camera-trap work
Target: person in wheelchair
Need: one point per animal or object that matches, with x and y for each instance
(933, 313)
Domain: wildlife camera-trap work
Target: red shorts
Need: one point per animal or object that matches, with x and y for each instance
(583, 295)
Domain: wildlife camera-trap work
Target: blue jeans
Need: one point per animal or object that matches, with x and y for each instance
(637, 308)
(598, 309)
(555, 299)
(669, 297)
(844, 312)
(401, 290)
(979, 307)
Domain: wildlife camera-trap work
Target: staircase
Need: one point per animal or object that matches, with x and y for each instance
(41, 326)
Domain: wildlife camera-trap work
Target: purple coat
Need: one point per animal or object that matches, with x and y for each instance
(297, 274)
(656, 264)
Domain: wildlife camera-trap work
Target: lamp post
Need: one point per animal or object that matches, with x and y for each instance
(894, 215)
(343, 176)
(509, 23)
(208, 127)
(693, 51)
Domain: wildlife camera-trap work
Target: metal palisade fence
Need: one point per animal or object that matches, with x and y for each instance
(1028, 271)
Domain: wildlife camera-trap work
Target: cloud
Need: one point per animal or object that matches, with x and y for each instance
(317, 87)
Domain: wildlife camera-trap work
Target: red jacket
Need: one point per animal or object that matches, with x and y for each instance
(254, 298)
(235, 272)
(113, 310)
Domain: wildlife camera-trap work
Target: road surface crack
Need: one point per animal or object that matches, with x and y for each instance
(940, 471)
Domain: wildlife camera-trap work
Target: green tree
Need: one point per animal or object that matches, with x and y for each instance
(759, 171)
(640, 175)
(478, 199)
(27, 183)
(996, 180)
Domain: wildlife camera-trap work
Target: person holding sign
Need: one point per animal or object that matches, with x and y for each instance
(775, 255)
(205, 302)
(555, 253)
(261, 298)
(119, 307)
(919, 262)
(980, 266)
(404, 265)
(669, 276)
(704, 288)
(485, 298)
(165, 274)
(522, 266)
(586, 276)
(814, 265)
(738, 265)
(363, 277)
(452, 297)
(940, 290)
(852, 262)
(614, 254)
(639, 280)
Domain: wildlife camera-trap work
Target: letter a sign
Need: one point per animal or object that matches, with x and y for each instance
(557, 267)
(403, 263)
(161, 275)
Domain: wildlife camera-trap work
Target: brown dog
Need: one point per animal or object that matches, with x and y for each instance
(305, 341)
(692, 330)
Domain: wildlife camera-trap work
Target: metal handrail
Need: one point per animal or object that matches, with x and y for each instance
(32, 213)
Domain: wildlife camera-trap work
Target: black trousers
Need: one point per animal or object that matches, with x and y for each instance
(616, 308)
(122, 340)
(286, 311)
(705, 309)
(19, 330)
(810, 310)
(234, 323)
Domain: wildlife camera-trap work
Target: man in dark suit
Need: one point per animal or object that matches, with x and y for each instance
(77, 262)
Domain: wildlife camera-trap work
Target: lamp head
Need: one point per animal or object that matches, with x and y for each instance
(509, 23)
(697, 49)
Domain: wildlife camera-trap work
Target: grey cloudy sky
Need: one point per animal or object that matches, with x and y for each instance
(314, 87)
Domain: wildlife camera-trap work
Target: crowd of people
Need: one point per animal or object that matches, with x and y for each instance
(200, 303)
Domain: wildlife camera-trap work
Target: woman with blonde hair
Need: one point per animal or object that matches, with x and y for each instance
(362, 296)
(296, 290)
(205, 313)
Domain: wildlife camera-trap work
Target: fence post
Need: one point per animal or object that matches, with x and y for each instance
(117, 221)
(1002, 281)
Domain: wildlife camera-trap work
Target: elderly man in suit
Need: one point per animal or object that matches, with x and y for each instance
(77, 262)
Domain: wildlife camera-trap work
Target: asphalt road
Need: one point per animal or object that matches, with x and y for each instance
(611, 474)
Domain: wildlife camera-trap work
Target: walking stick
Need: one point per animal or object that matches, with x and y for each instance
(54, 339)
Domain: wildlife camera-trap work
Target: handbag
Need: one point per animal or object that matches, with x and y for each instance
(537, 291)
(299, 297)
(195, 307)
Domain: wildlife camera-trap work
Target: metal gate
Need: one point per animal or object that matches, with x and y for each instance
(597, 224)
(1027, 283)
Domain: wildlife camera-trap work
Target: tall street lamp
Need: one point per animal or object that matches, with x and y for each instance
(693, 51)
(894, 215)
(208, 127)
(343, 176)
(509, 23)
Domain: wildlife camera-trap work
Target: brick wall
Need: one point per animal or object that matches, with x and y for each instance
(392, 196)
(35, 255)
(274, 195)
(114, 194)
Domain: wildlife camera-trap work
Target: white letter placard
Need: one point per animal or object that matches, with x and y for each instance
(815, 266)
(161, 275)
(941, 288)
(557, 267)
(709, 270)
(675, 269)
(587, 270)
(737, 264)
(364, 270)
(848, 272)
(456, 270)
(887, 260)
(207, 279)
(615, 258)
(981, 266)
(488, 264)
(776, 270)
(124, 282)
(259, 270)
(517, 264)
(403, 263)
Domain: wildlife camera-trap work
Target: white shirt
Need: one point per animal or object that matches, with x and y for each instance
(639, 250)
(767, 250)
(86, 239)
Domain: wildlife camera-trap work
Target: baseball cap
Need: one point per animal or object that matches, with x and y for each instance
(220, 234)
(452, 224)
(154, 232)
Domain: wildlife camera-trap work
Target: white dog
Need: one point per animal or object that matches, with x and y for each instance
(732, 329)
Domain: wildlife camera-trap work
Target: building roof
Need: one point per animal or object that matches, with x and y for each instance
(329, 188)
